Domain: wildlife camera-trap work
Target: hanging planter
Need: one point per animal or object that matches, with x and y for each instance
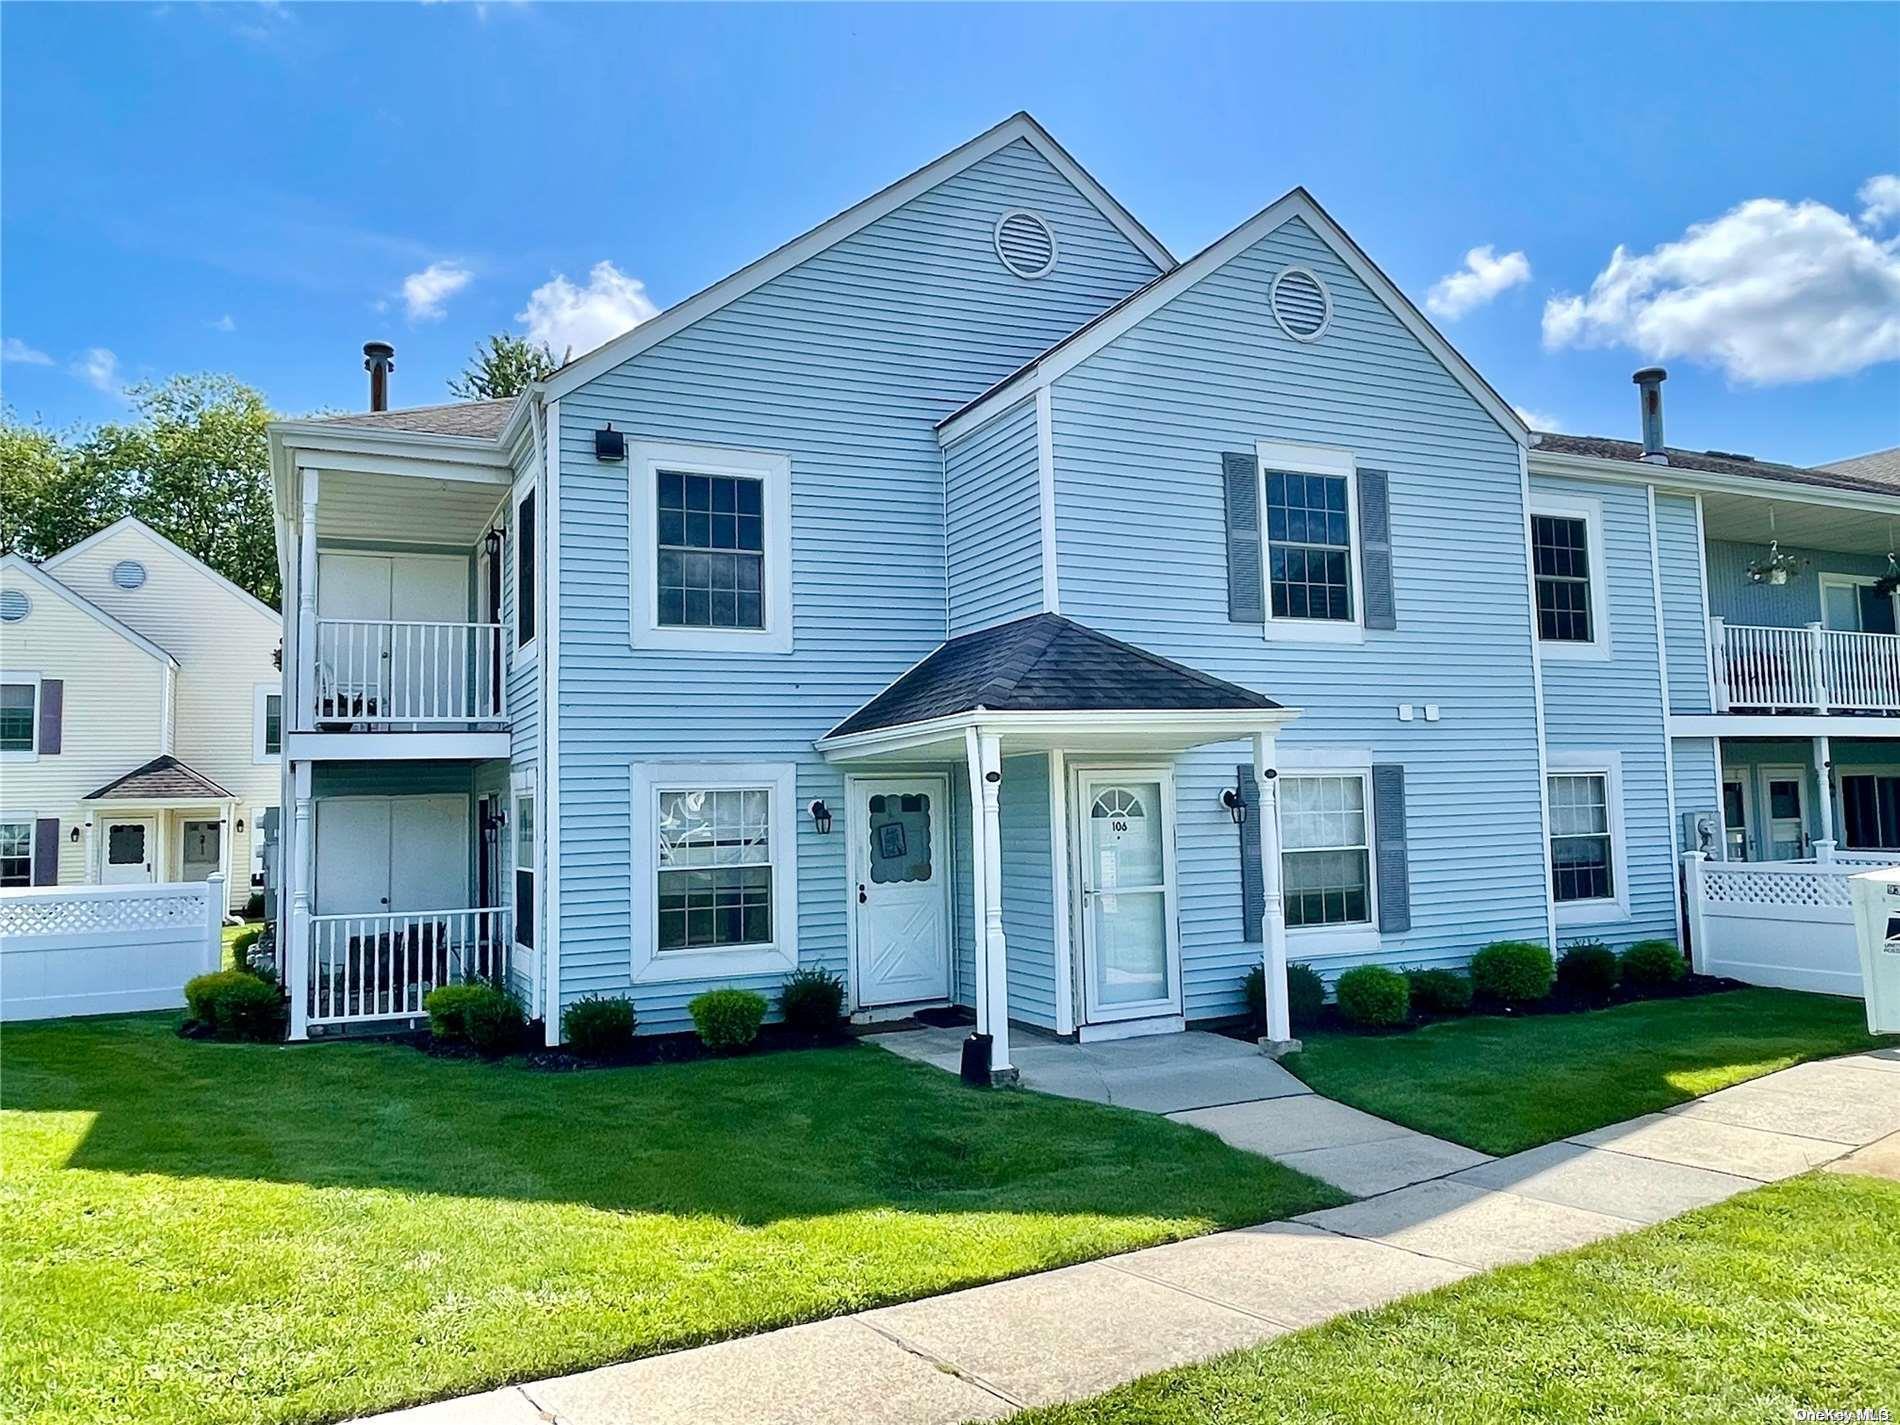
(1775, 569)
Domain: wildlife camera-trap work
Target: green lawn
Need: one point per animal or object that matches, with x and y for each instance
(217, 1232)
(1779, 1299)
(1501, 1085)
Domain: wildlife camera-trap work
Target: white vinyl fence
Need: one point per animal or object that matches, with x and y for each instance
(71, 950)
(1786, 924)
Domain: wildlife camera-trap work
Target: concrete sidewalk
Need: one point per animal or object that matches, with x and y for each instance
(1062, 1335)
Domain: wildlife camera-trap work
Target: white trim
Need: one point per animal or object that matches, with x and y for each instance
(943, 858)
(1783, 725)
(1675, 479)
(1609, 766)
(1325, 293)
(395, 746)
(547, 762)
(1589, 509)
(1738, 777)
(261, 694)
(1163, 775)
(1141, 730)
(645, 459)
(1061, 903)
(86, 606)
(1048, 231)
(516, 796)
(526, 486)
(1537, 702)
(1130, 1028)
(33, 680)
(31, 822)
(1072, 352)
(1283, 457)
(1669, 743)
(185, 556)
(649, 779)
(1046, 498)
(728, 290)
(1351, 937)
(1766, 772)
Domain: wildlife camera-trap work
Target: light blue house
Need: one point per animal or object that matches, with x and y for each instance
(969, 599)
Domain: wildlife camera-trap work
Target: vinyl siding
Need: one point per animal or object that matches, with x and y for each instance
(843, 364)
(1028, 910)
(1698, 788)
(992, 503)
(523, 686)
(1791, 605)
(1615, 704)
(1139, 429)
(1679, 552)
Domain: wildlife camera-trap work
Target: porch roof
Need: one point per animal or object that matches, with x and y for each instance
(163, 779)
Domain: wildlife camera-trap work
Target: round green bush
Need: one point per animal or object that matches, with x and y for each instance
(1439, 991)
(1305, 995)
(599, 1026)
(1651, 965)
(1588, 970)
(812, 1001)
(488, 1019)
(1512, 971)
(1373, 996)
(727, 1020)
(238, 1005)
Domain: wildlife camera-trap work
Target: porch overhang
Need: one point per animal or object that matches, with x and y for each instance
(1162, 732)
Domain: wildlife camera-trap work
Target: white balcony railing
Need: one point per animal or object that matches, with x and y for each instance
(397, 671)
(1811, 669)
(365, 968)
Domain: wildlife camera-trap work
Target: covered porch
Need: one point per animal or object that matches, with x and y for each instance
(1025, 775)
(1812, 798)
(164, 821)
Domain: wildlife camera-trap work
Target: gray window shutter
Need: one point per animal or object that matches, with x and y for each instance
(1375, 550)
(1391, 864)
(1253, 888)
(52, 714)
(1241, 477)
(46, 851)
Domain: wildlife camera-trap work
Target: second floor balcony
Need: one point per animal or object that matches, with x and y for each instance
(409, 673)
(1811, 669)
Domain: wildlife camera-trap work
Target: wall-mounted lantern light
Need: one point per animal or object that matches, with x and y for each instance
(75, 836)
(492, 543)
(610, 444)
(240, 826)
(1234, 798)
(821, 818)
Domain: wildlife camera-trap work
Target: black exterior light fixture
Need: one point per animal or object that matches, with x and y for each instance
(239, 828)
(610, 444)
(1234, 798)
(492, 543)
(821, 818)
(75, 836)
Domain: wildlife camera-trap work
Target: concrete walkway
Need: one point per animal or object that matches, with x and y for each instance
(1063, 1335)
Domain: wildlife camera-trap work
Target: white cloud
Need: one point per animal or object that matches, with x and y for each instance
(99, 369)
(13, 349)
(1880, 199)
(575, 320)
(1481, 279)
(222, 324)
(424, 293)
(1538, 420)
(1770, 292)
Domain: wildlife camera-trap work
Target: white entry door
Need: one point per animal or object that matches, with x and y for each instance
(1784, 813)
(390, 854)
(901, 884)
(1131, 962)
(129, 851)
(202, 851)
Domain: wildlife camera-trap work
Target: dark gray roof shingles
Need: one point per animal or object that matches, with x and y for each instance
(163, 778)
(1718, 463)
(1046, 663)
(478, 420)
(1882, 465)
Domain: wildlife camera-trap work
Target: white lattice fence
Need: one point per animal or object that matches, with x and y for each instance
(73, 950)
(1788, 924)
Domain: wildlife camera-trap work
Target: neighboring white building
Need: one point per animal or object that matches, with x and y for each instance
(139, 717)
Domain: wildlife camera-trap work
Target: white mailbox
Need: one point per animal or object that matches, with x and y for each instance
(1877, 926)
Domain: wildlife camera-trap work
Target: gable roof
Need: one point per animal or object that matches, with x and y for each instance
(1045, 663)
(85, 605)
(164, 778)
(185, 556)
(1019, 126)
(479, 420)
(1883, 465)
(1090, 338)
(1714, 462)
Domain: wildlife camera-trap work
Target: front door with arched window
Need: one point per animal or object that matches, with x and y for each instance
(1131, 958)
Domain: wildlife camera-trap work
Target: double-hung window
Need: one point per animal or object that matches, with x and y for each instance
(711, 550)
(526, 604)
(1309, 546)
(524, 868)
(19, 717)
(267, 722)
(1325, 850)
(1582, 839)
(16, 853)
(1567, 574)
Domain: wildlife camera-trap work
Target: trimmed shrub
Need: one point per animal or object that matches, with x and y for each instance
(599, 1026)
(1373, 996)
(235, 1004)
(727, 1020)
(1513, 971)
(487, 1019)
(1651, 965)
(812, 1001)
(1588, 969)
(1305, 995)
(1439, 991)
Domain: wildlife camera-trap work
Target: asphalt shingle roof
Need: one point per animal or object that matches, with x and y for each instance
(1883, 465)
(163, 778)
(1719, 463)
(1046, 663)
(482, 420)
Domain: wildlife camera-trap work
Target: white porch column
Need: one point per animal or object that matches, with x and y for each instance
(295, 864)
(302, 681)
(1823, 754)
(1279, 1037)
(984, 752)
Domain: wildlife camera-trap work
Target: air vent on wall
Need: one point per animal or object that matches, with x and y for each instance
(13, 606)
(128, 574)
(1301, 304)
(1026, 243)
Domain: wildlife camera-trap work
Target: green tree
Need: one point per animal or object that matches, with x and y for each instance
(506, 366)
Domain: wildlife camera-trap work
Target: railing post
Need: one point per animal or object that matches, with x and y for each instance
(1817, 661)
(1696, 908)
(297, 866)
(214, 921)
(1718, 662)
(304, 678)
(1824, 851)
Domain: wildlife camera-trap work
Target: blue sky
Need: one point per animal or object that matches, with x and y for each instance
(249, 188)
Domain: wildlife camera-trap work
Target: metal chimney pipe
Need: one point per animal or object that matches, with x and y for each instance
(1649, 382)
(379, 359)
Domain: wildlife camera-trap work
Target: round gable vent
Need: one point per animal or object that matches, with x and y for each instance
(1026, 243)
(13, 606)
(1301, 304)
(128, 574)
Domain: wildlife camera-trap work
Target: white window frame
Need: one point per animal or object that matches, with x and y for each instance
(1359, 936)
(516, 796)
(1589, 509)
(1283, 458)
(22, 754)
(1609, 766)
(32, 824)
(261, 694)
(645, 459)
(649, 779)
(529, 652)
(1831, 580)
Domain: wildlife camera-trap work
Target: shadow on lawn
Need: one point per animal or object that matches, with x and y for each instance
(752, 1141)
